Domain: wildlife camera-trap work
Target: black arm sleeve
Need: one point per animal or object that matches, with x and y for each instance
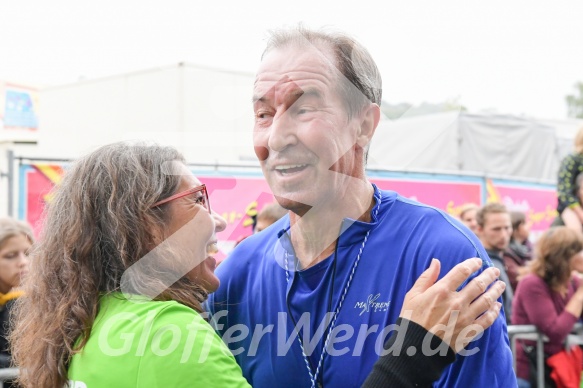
(399, 369)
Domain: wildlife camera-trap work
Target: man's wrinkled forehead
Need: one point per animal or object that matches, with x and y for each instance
(286, 92)
(291, 81)
(290, 71)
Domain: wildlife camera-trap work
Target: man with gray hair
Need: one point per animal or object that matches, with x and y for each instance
(311, 301)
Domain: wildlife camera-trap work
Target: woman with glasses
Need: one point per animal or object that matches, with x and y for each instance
(124, 265)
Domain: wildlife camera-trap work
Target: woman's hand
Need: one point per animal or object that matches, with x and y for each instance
(578, 277)
(455, 317)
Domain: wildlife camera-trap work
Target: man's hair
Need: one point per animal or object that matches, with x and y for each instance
(271, 212)
(466, 207)
(362, 83)
(490, 208)
(553, 251)
(9, 227)
(517, 219)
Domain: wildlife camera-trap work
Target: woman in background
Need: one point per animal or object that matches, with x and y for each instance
(550, 296)
(519, 251)
(16, 239)
(468, 214)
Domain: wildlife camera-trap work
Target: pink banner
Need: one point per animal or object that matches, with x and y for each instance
(539, 204)
(445, 195)
(34, 192)
(237, 199)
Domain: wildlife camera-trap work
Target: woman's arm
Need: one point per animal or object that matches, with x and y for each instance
(575, 304)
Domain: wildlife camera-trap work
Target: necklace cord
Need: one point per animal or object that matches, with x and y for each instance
(316, 377)
(295, 327)
(320, 376)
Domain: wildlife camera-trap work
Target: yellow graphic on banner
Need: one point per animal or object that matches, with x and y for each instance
(250, 213)
(53, 173)
(493, 195)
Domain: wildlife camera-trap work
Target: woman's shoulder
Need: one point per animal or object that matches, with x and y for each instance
(530, 281)
(141, 307)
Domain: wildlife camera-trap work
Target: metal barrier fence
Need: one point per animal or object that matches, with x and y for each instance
(7, 374)
(530, 332)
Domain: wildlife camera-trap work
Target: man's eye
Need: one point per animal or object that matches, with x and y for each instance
(200, 200)
(263, 115)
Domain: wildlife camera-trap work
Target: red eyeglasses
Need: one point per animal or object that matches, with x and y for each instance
(202, 199)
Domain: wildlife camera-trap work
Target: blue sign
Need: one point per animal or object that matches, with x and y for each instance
(19, 110)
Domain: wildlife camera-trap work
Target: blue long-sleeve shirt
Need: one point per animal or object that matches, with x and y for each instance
(256, 306)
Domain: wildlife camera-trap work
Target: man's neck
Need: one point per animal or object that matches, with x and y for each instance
(496, 251)
(314, 235)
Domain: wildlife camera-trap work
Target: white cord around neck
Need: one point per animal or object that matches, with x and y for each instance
(314, 376)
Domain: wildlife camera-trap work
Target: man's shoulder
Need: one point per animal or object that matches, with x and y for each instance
(415, 209)
(427, 221)
(410, 226)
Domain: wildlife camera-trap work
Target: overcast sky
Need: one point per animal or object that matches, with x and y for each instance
(519, 57)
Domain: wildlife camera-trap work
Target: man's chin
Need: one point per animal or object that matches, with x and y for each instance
(294, 206)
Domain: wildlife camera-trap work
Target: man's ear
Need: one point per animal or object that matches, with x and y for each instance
(479, 231)
(371, 116)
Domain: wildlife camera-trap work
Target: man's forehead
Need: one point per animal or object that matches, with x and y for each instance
(285, 89)
(299, 65)
(298, 53)
(497, 219)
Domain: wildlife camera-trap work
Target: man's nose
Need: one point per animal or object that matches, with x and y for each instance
(283, 131)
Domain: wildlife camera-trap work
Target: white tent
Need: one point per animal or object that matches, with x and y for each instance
(207, 114)
(204, 112)
(485, 144)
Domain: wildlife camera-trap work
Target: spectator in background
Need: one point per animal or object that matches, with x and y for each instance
(550, 296)
(558, 221)
(268, 215)
(519, 250)
(494, 230)
(569, 204)
(16, 239)
(467, 215)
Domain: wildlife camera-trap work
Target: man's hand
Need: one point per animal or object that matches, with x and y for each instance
(468, 312)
